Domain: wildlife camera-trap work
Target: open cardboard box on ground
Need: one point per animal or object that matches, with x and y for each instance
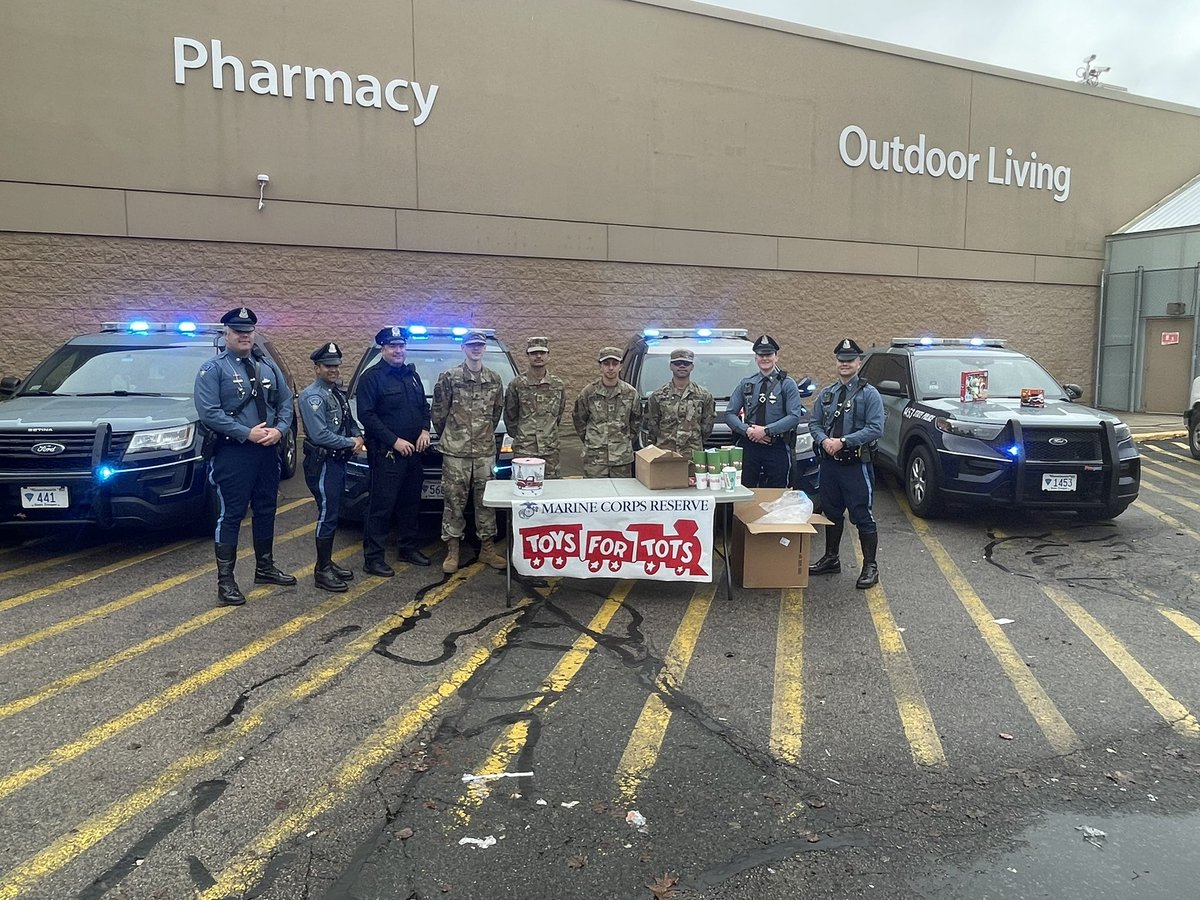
(770, 556)
(660, 469)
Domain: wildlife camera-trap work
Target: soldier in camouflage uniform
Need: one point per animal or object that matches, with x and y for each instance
(607, 415)
(467, 403)
(680, 414)
(533, 408)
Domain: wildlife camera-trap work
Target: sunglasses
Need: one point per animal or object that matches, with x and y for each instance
(681, 362)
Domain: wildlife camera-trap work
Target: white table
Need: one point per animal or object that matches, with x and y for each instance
(499, 495)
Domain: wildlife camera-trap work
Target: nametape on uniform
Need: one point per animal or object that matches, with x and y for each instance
(668, 539)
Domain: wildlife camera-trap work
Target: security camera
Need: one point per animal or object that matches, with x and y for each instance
(263, 179)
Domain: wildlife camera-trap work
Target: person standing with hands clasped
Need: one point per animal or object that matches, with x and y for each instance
(847, 421)
(395, 414)
(680, 414)
(331, 436)
(246, 404)
(468, 401)
(765, 411)
(608, 413)
(533, 408)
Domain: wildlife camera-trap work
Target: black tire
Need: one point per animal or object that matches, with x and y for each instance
(1108, 511)
(1194, 433)
(920, 484)
(288, 455)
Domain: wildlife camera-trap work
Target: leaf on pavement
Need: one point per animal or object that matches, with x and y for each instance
(405, 833)
(577, 862)
(664, 886)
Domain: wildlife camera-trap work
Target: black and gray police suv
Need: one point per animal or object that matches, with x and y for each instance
(432, 350)
(1191, 418)
(1060, 456)
(104, 430)
(723, 357)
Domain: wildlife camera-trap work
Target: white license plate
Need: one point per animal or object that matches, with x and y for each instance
(1059, 482)
(45, 498)
(431, 490)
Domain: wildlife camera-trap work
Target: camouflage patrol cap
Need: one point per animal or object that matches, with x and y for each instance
(609, 353)
(682, 353)
(537, 345)
(474, 337)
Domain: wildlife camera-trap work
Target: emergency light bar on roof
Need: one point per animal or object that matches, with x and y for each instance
(947, 342)
(141, 326)
(701, 332)
(458, 332)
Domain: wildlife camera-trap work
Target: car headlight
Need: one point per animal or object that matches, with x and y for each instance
(978, 430)
(179, 438)
(1121, 430)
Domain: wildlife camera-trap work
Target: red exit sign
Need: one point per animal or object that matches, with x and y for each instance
(1170, 337)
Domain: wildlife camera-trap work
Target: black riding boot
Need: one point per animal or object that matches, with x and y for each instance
(265, 570)
(228, 593)
(830, 563)
(323, 574)
(870, 571)
(340, 571)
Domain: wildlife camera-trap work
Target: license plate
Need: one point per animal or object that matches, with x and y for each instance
(1059, 482)
(431, 490)
(45, 498)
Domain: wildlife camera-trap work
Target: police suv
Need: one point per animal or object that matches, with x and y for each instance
(1191, 418)
(723, 357)
(967, 420)
(105, 430)
(432, 350)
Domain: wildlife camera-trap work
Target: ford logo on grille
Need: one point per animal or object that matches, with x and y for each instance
(48, 448)
(1058, 442)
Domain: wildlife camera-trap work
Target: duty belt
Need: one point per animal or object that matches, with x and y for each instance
(325, 453)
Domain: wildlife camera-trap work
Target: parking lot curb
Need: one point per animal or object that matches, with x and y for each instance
(1161, 435)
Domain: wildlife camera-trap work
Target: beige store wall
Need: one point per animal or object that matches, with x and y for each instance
(56, 286)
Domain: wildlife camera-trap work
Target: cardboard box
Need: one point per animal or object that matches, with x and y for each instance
(770, 556)
(661, 469)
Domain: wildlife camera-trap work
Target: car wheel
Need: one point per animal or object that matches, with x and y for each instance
(1108, 511)
(920, 484)
(1194, 434)
(287, 456)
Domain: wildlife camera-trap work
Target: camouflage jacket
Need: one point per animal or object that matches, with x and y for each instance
(606, 420)
(466, 409)
(679, 420)
(532, 413)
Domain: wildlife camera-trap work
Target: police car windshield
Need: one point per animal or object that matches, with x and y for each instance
(719, 372)
(430, 362)
(104, 370)
(939, 377)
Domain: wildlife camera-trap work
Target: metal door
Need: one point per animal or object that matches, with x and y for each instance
(1167, 365)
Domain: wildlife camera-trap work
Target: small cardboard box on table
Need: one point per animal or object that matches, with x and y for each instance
(660, 469)
(773, 555)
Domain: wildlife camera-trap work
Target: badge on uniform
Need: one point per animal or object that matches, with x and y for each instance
(314, 402)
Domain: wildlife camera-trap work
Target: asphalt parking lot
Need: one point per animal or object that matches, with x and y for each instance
(1011, 673)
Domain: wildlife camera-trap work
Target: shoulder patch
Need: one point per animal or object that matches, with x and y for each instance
(314, 402)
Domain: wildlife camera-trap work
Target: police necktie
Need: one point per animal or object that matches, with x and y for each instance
(260, 401)
(760, 414)
(839, 419)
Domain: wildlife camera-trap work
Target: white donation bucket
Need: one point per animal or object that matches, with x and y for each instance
(528, 474)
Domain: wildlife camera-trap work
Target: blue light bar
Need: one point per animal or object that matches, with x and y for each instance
(417, 329)
(458, 330)
(139, 326)
(186, 327)
(926, 341)
(649, 332)
(976, 342)
(703, 332)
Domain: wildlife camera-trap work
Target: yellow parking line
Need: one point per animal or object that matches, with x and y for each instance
(1180, 500)
(1056, 729)
(1148, 470)
(1168, 519)
(1187, 624)
(512, 739)
(18, 880)
(641, 752)
(100, 612)
(52, 562)
(787, 704)
(1156, 463)
(915, 717)
(1174, 712)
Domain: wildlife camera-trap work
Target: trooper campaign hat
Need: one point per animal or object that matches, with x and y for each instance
(240, 319)
(327, 355)
(393, 334)
(537, 345)
(847, 350)
(474, 337)
(682, 353)
(609, 353)
(766, 345)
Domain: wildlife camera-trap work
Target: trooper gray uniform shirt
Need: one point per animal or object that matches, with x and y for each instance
(222, 385)
(326, 416)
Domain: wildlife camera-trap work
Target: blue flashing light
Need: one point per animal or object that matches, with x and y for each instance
(704, 332)
(104, 473)
(458, 330)
(186, 327)
(976, 342)
(926, 342)
(417, 329)
(1014, 451)
(650, 332)
(139, 326)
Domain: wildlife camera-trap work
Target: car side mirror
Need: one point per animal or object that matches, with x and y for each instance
(9, 385)
(891, 388)
(1074, 391)
(807, 386)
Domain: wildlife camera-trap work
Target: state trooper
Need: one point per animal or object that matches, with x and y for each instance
(331, 436)
(765, 411)
(533, 408)
(847, 421)
(468, 401)
(680, 415)
(245, 404)
(395, 415)
(608, 413)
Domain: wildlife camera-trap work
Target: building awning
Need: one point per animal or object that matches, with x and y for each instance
(1180, 209)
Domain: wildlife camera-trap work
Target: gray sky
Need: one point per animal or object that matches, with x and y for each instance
(1153, 46)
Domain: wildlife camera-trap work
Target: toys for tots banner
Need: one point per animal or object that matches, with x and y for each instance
(670, 539)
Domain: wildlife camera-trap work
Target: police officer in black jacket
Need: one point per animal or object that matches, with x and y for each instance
(847, 421)
(395, 413)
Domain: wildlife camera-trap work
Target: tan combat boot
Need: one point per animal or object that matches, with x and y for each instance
(450, 563)
(488, 555)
